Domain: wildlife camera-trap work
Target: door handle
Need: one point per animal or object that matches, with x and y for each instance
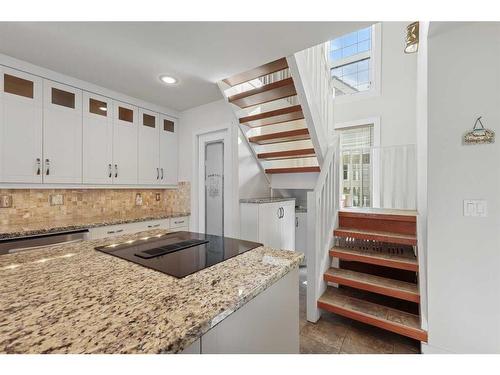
(116, 170)
(110, 171)
(296, 222)
(162, 173)
(47, 166)
(282, 212)
(157, 173)
(279, 213)
(38, 168)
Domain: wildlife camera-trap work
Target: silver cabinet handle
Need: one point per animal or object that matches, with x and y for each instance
(162, 173)
(47, 166)
(157, 173)
(116, 170)
(119, 231)
(178, 222)
(154, 226)
(38, 166)
(111, 231)
(110, 171)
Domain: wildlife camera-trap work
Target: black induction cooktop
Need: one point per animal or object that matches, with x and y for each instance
(180, 253)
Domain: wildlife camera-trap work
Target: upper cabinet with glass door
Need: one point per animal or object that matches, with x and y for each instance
(62, 133)
(168, 151)
(149, 153)
(125, 133)
(20, 127)
(97, 139)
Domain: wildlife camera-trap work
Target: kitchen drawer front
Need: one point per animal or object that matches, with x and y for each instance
(179, 222)
(121, 229)
(153, 224)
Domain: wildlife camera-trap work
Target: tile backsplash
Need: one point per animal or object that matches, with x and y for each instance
(33, 205)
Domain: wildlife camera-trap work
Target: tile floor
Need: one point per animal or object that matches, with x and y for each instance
(335, 334)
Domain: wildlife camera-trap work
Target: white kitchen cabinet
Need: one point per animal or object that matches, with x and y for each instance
(125, 144)
(301, 233)
(20, 127)
(62, 133)
(168, 151)
(97, 139)
(272, 224)
(149, 148)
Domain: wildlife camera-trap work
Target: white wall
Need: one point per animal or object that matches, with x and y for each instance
(463, 252)
(246, 181)
(396, 103)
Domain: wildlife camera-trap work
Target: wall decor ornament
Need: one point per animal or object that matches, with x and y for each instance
(479, 134)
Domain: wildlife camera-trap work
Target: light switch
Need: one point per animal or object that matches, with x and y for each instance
(475, 207)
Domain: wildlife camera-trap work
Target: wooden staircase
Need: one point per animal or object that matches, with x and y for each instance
(266, 104)
(377, 276)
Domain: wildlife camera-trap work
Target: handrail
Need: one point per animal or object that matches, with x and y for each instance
(322, 207)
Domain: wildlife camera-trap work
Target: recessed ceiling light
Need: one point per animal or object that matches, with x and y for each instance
(169, 80)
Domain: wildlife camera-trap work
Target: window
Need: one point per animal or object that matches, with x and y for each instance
(168, 126)
(98, 107)
(356, 143)
(63, 98)
(148, 120)
(125, 114)
(350, 57)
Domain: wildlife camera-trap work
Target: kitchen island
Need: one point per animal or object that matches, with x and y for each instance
(71, 298)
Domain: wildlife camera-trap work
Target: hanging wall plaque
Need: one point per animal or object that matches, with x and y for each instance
(479, 134)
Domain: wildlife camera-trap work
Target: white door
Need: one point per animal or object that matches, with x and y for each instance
(168, 151)
(287, 225)
(124, 144)
(97, 139)
(149, 144)
(270, 224)
(214, 188)
(20, 127)
(62, 133)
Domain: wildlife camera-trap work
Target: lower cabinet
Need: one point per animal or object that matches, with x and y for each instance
(272, 224)
(129, 228)
(267, 324)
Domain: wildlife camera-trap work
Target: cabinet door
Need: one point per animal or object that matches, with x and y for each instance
(149, 144)
(287, 223)
(124, 144)
(270, 225)
(168, 151)
(62, 133)
(97, 139)
(20, 127)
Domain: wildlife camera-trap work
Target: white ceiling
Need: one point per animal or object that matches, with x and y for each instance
(129, 57)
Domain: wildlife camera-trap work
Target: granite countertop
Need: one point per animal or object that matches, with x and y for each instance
(265, 200)
(35, 228)
(71, 298)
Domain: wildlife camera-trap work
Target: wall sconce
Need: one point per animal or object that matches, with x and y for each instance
(411, 40)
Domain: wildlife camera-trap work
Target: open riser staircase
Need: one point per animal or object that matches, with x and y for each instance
(271, 118)
(376, 280)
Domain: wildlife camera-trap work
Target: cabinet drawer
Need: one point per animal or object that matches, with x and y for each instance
(178, 222)
(109, 231)
(153, 224)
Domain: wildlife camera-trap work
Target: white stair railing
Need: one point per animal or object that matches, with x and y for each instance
(322, 213)
(312, 79)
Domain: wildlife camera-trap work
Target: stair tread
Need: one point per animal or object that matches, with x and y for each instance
(376, 235)
(277, 116)
(377, 281)
(266, 93)
(289, 154)
(293, 170)
(407, 256)
(260, 71)
(285, 136)
(341, 302)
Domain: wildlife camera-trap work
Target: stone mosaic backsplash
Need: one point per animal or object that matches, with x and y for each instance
(34, 205)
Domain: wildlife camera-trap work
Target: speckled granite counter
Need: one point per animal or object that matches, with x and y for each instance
(73, 299)
(39, 228)
(265, 200)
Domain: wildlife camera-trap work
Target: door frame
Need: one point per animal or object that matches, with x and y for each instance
(223, 135)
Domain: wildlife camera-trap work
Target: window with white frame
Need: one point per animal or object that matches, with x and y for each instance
(351, 60)
(355, 145)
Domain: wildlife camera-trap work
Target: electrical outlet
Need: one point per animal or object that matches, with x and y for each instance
(5, 201)
(138, 199)
(56, 199)
(158, 197)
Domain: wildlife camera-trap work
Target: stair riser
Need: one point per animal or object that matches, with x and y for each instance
(373, 288)
(375, 261)
(378, 224)
(375, 237)
(389, 326)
